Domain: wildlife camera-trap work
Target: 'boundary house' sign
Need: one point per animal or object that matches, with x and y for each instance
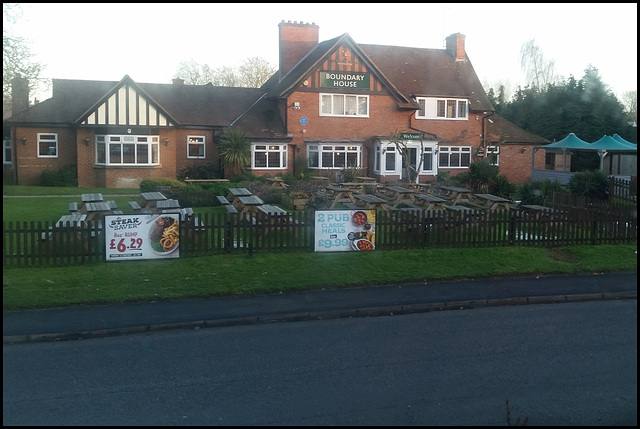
(344, 80)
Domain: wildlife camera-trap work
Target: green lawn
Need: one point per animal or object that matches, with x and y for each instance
(265, 273)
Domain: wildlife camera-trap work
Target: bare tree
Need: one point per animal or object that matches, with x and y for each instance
(251, 74)
(193, 73)
(226, 76)
(17, 59)
(255, 71)
(405, 152)
(630, 103)
(539, 71)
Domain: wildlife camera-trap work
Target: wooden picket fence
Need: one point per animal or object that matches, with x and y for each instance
(567, 221)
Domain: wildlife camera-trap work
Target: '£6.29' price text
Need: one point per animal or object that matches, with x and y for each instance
(134, 243)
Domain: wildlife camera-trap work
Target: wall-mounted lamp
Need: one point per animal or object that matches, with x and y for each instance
(523, 149)
(86, 141)
(24, 140)
(166, 142)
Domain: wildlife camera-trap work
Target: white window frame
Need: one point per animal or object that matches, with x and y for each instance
(338, 155)
(344, 105)
(457, 156)
(197, 142)
(48, 139)
(6, 152)
(456, 109)
(106, 145)
(492, 154)
(271, 153)
(386, 152)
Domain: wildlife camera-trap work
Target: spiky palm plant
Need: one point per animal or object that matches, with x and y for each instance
(235, 151)
(482, 175)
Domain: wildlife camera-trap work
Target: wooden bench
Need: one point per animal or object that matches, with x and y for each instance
(135, 206)
(205, 180)
(73, 207)
(112, 204)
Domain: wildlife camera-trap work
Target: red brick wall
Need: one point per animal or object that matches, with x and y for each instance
(515, 162)
(384, 119)
(29, 166)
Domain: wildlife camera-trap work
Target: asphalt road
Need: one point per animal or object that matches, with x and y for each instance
(124, 319)
(569, 364)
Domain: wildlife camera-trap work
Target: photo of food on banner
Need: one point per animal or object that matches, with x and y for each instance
(364, 239)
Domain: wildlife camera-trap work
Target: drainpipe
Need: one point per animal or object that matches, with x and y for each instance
(484, 137)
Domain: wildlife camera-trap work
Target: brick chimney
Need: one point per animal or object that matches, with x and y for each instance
(178, 81)
(19, 94)
(455, 46)
(297, 39)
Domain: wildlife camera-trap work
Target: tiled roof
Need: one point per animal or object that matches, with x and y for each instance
(202, 105)
(429, 73)
(509, 133)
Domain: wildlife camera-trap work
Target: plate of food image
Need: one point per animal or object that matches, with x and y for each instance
(164, 235)
(359, 218)
(362, 244)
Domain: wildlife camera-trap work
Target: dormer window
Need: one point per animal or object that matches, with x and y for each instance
(442, 108)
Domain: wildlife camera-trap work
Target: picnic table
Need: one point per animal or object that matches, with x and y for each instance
(248, 204)
(492, 201)
(356, 186)
(70, 219)
(457, 194)
(366, 179)
(372, 202)
(401, 195)
(341, 195)
(168, 204)
(149, 199)
(90, 198)
(275, 182)
(273, 218)
(235, 194)
(95, 209)
(430, 201)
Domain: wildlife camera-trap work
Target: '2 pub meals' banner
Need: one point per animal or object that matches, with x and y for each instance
(345, 230)
(145, 236)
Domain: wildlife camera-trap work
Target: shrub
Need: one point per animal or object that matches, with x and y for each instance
(591, 183)
(501, 187)
(350, 173)
(301, 167)
(537, 192)
(482, 175)
(67, 176)
(198, 172)
(152, 185)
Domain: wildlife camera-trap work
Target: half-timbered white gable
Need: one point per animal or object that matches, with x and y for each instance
(127, 106)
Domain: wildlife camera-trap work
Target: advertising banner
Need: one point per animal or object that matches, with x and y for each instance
(345, 230)
(142, 236)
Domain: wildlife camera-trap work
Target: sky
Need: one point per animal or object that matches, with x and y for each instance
(106, 41)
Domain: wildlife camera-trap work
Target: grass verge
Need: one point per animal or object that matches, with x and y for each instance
(239, 274)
